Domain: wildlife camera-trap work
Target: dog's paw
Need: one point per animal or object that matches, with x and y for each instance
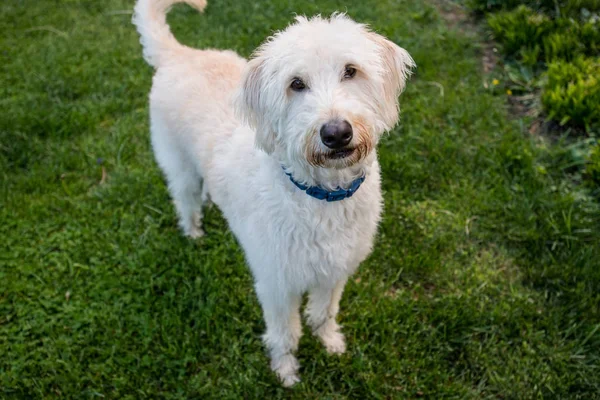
(334, 342)
(194, 233)
(290, 380)
(329, 334)
(286, 368)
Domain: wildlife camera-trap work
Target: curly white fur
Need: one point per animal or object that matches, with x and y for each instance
(293, 242)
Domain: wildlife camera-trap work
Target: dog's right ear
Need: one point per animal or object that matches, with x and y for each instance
(252, 105)
(397, 67)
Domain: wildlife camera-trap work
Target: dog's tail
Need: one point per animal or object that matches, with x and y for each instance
(150, 18)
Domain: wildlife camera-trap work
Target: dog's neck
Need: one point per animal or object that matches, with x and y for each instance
(328, 178)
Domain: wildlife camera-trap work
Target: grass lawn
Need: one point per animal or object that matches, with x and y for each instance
(485, 280)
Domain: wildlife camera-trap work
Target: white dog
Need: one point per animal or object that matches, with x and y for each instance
(294, 170)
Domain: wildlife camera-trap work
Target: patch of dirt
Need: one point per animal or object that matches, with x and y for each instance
(527, 106)
(455, 15)
(489, 59)
(553, 131)
(523, 106)
(458, 17)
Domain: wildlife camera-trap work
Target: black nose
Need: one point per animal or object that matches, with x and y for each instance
(336, 134)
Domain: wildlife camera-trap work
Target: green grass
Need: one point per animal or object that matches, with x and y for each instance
(484, 283)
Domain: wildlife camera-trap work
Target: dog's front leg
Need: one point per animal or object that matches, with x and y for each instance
(282, 317)
(321, 311)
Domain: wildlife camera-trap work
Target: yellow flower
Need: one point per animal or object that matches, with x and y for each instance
(509, 92)
(495, 82)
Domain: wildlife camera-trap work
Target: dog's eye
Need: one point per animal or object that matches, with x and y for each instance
(298, 85)
(349, 72)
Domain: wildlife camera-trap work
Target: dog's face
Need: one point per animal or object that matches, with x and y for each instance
(321, 92)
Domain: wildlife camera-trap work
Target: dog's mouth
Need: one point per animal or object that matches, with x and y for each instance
(340, 158)
(341, 154)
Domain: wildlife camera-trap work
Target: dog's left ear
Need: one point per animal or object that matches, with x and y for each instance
(252, 104)
(397, 66)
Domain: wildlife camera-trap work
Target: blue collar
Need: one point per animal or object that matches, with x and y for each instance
(322, 194)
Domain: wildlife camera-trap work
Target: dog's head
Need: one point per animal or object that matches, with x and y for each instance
(321, 92)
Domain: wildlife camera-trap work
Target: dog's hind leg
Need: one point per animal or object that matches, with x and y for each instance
(187, 193)
(184, 181)
(321, 311)
(282, 316)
